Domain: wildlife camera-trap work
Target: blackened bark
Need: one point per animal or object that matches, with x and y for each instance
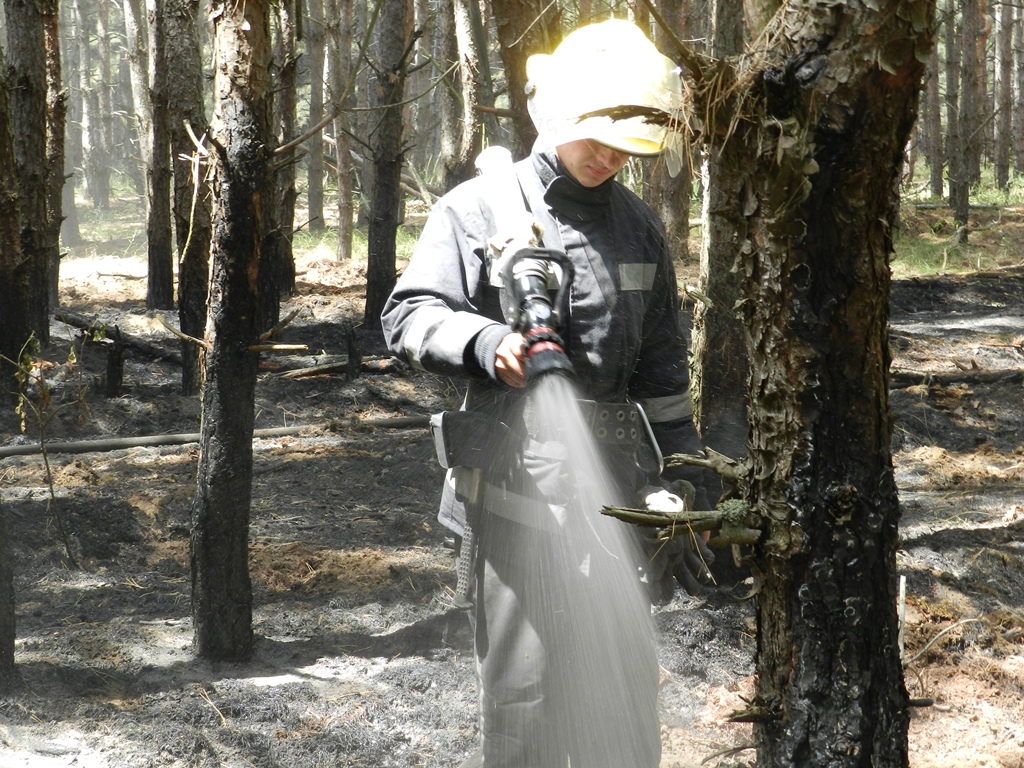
(719, 351)
(394, 43)
(192, 203)
(524, 27)
(56, 117)
(15, 274)
(160, 283)
(840, 100)
(8, 623)
(277, 264)
(221, 586)
(26, 62)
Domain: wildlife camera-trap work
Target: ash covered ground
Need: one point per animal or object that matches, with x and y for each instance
(361, 658)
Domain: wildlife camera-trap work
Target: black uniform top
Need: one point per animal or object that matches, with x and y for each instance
(623, 337)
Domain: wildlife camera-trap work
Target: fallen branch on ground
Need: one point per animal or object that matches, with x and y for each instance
(91, 326)
(900, 378)
(184, 438)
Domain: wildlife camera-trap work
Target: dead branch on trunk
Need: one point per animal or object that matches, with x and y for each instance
(733, 520)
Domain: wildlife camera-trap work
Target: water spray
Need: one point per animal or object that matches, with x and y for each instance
(537, 283)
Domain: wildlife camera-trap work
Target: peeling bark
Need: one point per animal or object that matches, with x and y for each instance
(834, 107)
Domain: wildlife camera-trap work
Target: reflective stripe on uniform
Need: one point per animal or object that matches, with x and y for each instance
(511, 506)
(667, 408)
(637, 276)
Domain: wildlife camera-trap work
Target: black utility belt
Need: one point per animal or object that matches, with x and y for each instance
(478, 441)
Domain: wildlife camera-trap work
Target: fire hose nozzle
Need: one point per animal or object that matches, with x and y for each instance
(537, 282)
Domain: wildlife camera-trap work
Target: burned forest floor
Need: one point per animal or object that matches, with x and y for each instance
(361, 659)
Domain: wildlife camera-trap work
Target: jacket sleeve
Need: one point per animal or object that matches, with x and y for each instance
(442, 316)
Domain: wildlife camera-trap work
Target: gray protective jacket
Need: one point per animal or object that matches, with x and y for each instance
(623, 336)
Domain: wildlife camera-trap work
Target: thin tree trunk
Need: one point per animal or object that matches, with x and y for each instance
(15, 274)
(70, 44)
(956, 123)
(393, 35)
(56, 120)
(277, 266)
(719, 353)
(475, 90)
(8, 618)
(524, 28)
(95, 160)
(192, 203)
(339, 52)
(136, 48)
(316, 55)
(1018, 91)
(221, 585)
(1003, 94)
(26, 63)
(932, 127)
(160, 284)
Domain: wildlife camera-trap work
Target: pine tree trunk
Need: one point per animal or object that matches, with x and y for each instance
(1003, 94)
(160, 284)
(26, 62)
(719, 353)
(932, 126)
(15, 274)
(192, 204)
(524, 28)
(387, 89)
(56, 120)
(221, 586)
(833, 112)
(70, 233)
(315, 53)
(339, 52)
(8, 622)
(277, 273)
(956, 141)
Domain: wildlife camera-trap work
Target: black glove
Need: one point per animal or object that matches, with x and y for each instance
(678, 551)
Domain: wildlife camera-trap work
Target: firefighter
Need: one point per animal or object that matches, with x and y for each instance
(623, 340)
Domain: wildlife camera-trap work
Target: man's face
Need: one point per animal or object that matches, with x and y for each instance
(590, 163)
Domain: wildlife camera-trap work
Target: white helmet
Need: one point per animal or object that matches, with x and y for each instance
(599, 67)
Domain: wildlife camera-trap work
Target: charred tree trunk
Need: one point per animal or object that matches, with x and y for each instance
(192, 204)
(56, 119)
(277, 268)
(27, 89)
(8, 622)
(524, 28)
(670, 195)
(15, 275)
(834, 108)
(160, 285)
(221, 586)
(70, 234)
(719, 352)
(394, 44)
